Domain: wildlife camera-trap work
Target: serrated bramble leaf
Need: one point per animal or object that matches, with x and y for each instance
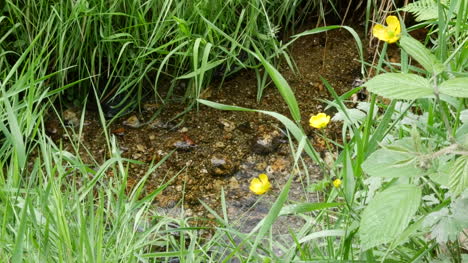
(388, 214)
(423, 55)
(400, 86)
(388, 163)
(458, 176)
(457, 87)
(446, 229)
(354, 115)
(459, 208)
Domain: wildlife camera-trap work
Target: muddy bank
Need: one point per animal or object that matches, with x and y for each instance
(223, 149)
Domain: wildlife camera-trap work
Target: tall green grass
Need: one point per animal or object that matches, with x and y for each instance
(54, 207)
(127, 49)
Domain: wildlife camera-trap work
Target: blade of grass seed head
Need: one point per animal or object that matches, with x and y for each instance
(283, 87)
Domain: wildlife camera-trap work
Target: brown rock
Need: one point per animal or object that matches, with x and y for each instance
(267, 142)
(119, 131)
(233, 183)
(227, 125)
(221, 165)
(132, 121)
(70, 117)
(140, 147)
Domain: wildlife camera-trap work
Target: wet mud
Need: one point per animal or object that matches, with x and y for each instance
(214, 150)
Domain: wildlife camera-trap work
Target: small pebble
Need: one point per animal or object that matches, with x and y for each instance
(228, 126)
(132, 121)
(70, 118)
(140, 148)
(222, 165)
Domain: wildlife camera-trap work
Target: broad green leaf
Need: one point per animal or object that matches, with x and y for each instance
(419, 52)
(400, 86)
(443, 226)
(464, 116)
(459, 208)
(458, 176)
(457, 87)
(409, 232)
(354, 115)
(441, 176)
(388, 215)
(388, 163)
(447, 223)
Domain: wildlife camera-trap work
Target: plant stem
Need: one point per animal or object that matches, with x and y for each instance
(442, 112)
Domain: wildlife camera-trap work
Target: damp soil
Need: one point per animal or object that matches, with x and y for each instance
(214, 149)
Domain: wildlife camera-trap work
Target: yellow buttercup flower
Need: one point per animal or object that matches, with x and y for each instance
(319, 121)
(389, 33)
(260, 185)
(337, 183)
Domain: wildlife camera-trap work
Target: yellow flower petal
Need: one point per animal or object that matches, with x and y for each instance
(260, 185)
(319, 121)
(393, 24)
(393, 39)
(391, 33)
(380, 32)
(337, 183)
(263, 178)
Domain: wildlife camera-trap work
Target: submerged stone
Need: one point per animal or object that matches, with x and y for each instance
(222, 165)
(71, 118)
(267, 142)
(132, 121)
(182, 145)
(227, 125)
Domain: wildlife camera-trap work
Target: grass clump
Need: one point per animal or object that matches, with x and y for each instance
(128, 49)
